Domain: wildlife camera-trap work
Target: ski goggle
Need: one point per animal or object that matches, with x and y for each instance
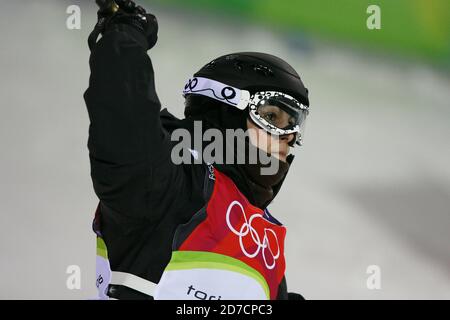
(275, 112)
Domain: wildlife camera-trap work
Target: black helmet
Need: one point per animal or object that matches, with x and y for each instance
(226, 80)
(255, 71)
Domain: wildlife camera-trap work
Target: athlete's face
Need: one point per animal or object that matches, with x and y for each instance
(278, 146)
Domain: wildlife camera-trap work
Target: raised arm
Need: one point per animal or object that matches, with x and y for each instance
(126, 140)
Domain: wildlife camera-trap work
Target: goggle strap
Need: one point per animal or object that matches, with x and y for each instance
(219, 91)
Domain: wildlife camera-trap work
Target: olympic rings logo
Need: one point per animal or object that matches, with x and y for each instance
(247, 228)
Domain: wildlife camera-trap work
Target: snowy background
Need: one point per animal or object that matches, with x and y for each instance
(371, 186)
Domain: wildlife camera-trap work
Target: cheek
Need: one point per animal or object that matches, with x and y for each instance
(262, 139)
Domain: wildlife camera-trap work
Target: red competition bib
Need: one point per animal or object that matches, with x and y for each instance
(232, 252)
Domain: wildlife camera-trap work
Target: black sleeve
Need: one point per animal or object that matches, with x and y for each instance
(129, 150)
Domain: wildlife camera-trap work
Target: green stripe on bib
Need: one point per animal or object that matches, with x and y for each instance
(101, 248)
(182, 260)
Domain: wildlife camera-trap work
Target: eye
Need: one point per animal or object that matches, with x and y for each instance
(270, 116)
(292, 121)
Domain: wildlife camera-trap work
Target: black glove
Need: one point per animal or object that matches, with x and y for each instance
(113, 12)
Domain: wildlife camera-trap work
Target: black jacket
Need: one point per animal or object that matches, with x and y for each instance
(143, 195)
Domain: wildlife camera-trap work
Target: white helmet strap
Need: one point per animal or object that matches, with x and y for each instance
(219, 91)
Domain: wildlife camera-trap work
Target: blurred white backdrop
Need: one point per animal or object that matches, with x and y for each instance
(371, 186)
